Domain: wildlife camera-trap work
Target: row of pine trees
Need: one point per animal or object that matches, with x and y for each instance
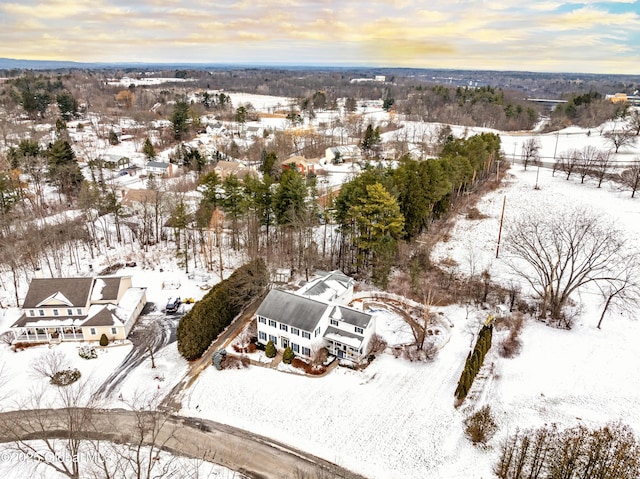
(474, 362)
(217, 309)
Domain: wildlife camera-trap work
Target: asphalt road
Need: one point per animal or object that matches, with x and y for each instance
(250, 454)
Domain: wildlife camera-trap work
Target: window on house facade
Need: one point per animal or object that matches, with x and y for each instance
(262, 320)
(41, 312)
(273, 339)
(92, 331)
(79, 311)
(114, 331)
(272, 323)
(316, 332)
(306, 351)
(295, 331)
(306, 335)
(55, 312)
(69, 312)
(334, 322)
(295, 347)
(284, 327)
(32, 312)
(359, 330)
(262, 335)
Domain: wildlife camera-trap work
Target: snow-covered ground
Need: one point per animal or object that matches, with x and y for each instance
(396, 419)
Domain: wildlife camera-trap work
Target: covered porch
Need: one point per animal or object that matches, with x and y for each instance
(46, 334)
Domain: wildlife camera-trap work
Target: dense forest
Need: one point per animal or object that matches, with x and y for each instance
(56, 127)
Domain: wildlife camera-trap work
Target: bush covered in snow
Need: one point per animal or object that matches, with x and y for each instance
(87, 352)
(65, 377)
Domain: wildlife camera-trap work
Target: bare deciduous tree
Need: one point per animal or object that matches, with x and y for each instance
(150, 433)
(150, 337)
(530, 152)
(601, 166)
(50, 362)
(634, 121)
(622, 290)
(631, 177)
(586, 161)
(568, 162)
(28, 434)
(558, 254)
(620, 138)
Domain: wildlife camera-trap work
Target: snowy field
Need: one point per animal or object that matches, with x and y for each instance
(396, 419)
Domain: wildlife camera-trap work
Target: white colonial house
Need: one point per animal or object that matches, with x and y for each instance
(316, 316)
(79, 309)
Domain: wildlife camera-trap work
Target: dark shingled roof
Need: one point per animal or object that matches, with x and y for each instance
(104, 317)
(111, 288)
(76, 290)
(352, 316)
(289, 308)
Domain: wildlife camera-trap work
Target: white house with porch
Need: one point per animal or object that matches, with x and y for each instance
(314, 317)
(79, 309)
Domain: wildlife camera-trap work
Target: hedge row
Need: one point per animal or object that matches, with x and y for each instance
(474, 362)
(217, 309)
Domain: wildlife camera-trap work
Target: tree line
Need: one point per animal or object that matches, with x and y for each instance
(215, 311)
(609, 452)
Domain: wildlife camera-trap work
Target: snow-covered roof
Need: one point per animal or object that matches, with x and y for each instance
(129, 302)
(47, 322)
(327, 287)
(350, 339)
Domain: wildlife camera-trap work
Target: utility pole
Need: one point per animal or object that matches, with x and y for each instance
(504, 203)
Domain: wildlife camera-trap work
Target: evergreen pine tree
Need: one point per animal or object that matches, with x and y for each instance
(270, 350)
(148, 149)
(288, 355)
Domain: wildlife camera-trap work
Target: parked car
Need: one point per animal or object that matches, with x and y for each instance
(173, 305)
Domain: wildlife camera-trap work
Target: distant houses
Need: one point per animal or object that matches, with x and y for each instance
(304, 165)
(114, 161)
(160, 168)
(79, 309)
(342, 154)
(316, 316)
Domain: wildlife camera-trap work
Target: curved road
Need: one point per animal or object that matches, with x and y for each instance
(249, 454)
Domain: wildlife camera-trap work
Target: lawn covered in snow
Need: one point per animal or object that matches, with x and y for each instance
(396, 419)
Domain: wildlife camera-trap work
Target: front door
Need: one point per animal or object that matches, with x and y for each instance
(284, 342)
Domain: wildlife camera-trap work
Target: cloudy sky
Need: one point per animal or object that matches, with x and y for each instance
(547, 35)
